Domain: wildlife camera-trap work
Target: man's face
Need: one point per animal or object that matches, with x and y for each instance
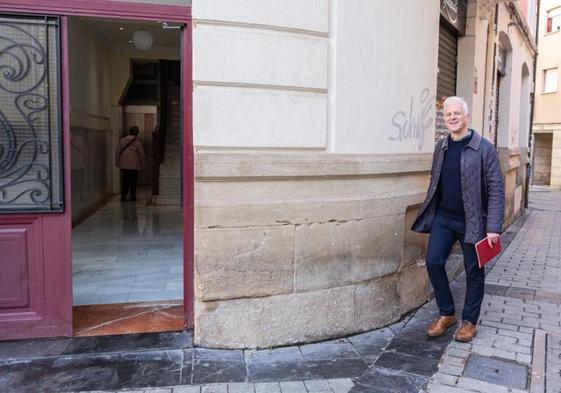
(455, 119)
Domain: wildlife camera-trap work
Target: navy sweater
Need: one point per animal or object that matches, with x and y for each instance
(450, 202)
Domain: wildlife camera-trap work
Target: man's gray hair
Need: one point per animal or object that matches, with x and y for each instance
(463, 102)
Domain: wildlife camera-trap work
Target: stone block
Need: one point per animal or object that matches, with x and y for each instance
(412, 287)
(376, 303)
(281, 210)
(275, 320)
(243, 262)
(255, 202)
(340, 253)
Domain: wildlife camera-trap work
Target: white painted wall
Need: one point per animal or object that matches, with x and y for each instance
(337, 76)
(385, 75)
(309, 15)
(260, 74)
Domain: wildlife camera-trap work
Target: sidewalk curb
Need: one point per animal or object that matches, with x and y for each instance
(537, 382)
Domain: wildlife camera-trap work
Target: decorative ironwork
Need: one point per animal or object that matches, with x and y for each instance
(30, 135)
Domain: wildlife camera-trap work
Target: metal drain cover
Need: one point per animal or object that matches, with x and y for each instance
(498, 371)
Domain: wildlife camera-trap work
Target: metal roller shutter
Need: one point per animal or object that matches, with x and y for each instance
(447, 63)
(446, 81)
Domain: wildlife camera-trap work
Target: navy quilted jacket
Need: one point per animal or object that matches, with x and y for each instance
(482, 189)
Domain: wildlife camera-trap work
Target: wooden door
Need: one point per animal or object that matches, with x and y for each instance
(35, 223)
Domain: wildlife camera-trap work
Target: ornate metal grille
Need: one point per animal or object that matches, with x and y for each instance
(30, 126)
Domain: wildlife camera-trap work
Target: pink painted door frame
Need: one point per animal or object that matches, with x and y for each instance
(52, 232)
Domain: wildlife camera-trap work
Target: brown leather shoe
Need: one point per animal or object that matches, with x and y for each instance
(440, 324)
(465, 332)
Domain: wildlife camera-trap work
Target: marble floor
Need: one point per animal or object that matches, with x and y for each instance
(128, 252)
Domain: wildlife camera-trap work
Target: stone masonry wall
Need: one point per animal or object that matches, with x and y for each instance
(303, 247)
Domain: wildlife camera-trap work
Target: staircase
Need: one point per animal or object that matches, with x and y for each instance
(170, 170)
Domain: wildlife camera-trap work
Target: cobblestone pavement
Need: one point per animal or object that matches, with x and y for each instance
(523, 295)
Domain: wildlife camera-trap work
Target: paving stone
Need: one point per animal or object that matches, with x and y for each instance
(219, 355)
(187, 389)
(241, 387)
(445, 379)
(218, 371)
(320, 385)
(267, 387)
(372, 343)
(286, 354)
(337, 368)
(329, 351)
(378, 379)
(222, 388)
(416, 348)
(452, 370)
(279, 371)
(293, 387)
(408, 363)
(341, 385)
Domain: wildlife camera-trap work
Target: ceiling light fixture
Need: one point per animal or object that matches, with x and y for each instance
(121, 28)
(142, 39)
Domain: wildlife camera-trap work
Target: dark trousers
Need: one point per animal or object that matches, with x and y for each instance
(130, 178)
(443, 235)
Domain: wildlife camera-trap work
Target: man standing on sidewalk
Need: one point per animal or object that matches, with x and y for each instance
(465, 202)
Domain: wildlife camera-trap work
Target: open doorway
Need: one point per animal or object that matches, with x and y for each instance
(127, 255)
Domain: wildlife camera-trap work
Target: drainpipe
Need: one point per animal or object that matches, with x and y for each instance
(532, 101)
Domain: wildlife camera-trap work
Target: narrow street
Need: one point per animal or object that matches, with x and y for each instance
(522, 297)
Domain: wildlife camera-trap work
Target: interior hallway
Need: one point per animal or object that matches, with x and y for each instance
(128, 252)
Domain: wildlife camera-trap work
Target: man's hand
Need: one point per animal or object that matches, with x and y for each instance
(492, 238)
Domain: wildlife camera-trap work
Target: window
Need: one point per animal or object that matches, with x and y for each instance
(550, 81)
(553, 20)
(30, 129)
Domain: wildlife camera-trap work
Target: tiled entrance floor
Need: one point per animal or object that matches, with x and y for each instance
(128, 252)
(125, 318)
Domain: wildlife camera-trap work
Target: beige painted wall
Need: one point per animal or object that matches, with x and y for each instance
(548, 106)
(512, 134)
(472, 62)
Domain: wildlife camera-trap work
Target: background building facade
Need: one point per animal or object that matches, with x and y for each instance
(547, 113)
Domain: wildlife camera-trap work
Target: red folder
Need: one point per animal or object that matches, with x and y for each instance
(486, 253)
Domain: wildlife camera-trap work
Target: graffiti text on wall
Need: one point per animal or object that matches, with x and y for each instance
(415, 124)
